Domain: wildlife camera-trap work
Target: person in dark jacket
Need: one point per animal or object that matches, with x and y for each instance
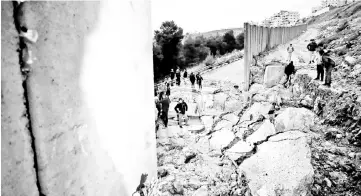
(164, 108)
(289, 70)
(312, 48)
(192, 78)
(328, 63)
(199, 80)
(181, 109)
(185, 74)
(168, 90)
(172, 74)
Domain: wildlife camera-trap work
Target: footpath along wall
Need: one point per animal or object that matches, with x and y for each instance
(67, 126)
(258, 39)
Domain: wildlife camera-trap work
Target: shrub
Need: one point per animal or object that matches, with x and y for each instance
(209, 60)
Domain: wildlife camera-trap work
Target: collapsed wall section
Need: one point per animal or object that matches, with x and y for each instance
(258, 39)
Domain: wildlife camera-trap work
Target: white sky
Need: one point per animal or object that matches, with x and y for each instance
(203, 15)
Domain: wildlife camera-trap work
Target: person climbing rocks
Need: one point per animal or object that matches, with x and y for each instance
(329, 64)
(312, 48)
(178, 76)
(199, 80)
(319, 64)
(290, 50)
(168, 90)
(289, 70)
(192, 78)
(164, 103)
(181, 109)
(172, 76)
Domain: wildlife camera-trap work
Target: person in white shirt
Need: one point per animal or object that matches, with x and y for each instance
(319, 64)
(290, 50)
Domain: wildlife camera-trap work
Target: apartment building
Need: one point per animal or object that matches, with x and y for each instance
(282, 19)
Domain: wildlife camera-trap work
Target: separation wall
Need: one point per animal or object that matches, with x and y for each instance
(258, 39)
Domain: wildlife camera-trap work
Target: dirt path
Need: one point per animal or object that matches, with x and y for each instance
(232, 72)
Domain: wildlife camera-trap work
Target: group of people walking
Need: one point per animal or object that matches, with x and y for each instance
(193, 78)
(319, 56)
(162, 103)
(162, 100)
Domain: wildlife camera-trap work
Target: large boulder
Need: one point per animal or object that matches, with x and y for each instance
(290, 119)
(273, 75)
(281, 166)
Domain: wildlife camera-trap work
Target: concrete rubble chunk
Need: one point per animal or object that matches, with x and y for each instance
(350, 60)
(207, 122)
(223, 124)
(196, 128)
(203, 191)
(231, 118)
(300, 119)
(256, 89)
(267, 129)
(256, 110)
(282, 167)
(239, 149)
(221, 139)
(273, 75)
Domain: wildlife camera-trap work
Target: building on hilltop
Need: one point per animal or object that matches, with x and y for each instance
(282, 19)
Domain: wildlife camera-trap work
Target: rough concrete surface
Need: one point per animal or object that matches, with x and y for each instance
(281, 167)
(18, 175)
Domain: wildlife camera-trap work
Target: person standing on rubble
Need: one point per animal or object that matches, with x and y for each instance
(290, 50)
(164, 108)
(181, 109)
(312, 48)
(178, 76)
(192, 78)
(329, 64)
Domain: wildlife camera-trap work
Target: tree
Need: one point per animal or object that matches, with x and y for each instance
(157, 60)
(168, 38)
(230, 41)
(240, 41)
(195, 50)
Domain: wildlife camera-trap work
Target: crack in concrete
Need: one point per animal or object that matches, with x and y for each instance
(255, 148)
(22, 46)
